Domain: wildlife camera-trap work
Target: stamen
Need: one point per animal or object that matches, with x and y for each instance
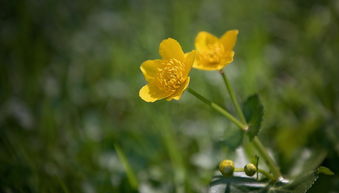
(171, 75)
(214, 55)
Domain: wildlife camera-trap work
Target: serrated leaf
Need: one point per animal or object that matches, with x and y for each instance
(235, 184)
(308, 160)
(304, 180)
(254, 111)
(325, 170)
(302, 183)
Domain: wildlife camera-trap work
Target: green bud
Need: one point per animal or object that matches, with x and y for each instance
(226, 167)
(250, 169)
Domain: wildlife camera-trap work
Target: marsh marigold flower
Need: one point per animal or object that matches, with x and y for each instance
(214, 53)
(167, 77)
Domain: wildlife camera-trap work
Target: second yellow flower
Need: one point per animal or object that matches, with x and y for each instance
(214, 53)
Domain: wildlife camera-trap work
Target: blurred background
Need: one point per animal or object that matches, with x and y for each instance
(69, 83)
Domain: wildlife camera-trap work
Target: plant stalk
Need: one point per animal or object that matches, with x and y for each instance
(268, 160)
(218, 109)
(256, 141)
(232, 95)
(265, 173)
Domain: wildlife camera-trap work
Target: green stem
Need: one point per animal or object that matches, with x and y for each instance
(219, 109)
(232, 95)
(239, 170)
(265, 173)
(256, 142)
(268, 175)
(268, 160)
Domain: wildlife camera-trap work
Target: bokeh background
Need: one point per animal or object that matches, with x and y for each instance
(69, 82)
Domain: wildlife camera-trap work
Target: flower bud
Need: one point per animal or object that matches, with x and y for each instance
(226, 167)
(250, 169)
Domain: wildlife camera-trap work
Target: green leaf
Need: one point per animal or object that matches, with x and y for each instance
(235, 184)
(302, 183)
(314, 161)
(254, 111)
(308, 160)
(238, 184)
(325, 170)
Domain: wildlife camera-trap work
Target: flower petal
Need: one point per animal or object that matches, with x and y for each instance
(201, 64)
(189, 60)
(229, 39)
(203, 39)
(229, 57)
(151, 93)
(170, 48)
(150, 68)
(177, 95)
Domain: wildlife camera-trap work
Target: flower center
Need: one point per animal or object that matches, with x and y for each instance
(214, 54)
(171, 76)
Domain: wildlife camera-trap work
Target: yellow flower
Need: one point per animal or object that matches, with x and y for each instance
(167, 77)
(214, 53)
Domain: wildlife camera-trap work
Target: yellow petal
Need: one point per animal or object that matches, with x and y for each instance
(229, 57)
(170, 48)
(189, 60)
(151, 93)
(229, 39)
(203, 39)
(150, 68)
(177, 95)
(201, 64)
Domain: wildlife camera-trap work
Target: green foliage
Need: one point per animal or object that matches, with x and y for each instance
(69, 81)
(254, 112)
(300, 183)
(129, 171)
(245, 184)
(325, 170)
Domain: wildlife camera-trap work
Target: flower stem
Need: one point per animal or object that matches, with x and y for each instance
(256, 142)
(265, 173)
(239, 170)
(268, 175)
(232, 95)
(218, 108)
(268, 160)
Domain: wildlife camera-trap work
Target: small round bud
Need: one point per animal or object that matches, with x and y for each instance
(250, 169)
(226, 167)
